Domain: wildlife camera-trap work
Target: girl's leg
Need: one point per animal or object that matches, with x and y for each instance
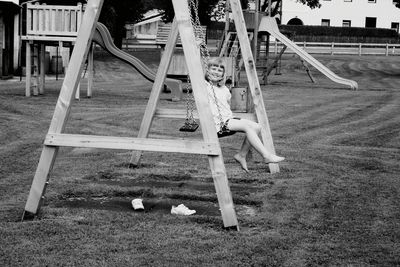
(252, 130)
(241, 156)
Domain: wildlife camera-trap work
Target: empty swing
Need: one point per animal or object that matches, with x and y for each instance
(190, 124)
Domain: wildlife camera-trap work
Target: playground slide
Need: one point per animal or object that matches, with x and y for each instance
(269, 24)
(103, 38)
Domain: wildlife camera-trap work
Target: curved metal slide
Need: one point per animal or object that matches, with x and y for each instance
(269, 24)
(103, 38)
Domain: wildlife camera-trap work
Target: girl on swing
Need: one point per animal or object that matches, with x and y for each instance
(219, 97)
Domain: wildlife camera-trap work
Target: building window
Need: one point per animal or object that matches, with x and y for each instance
(346, 23)
(325, 22)
(395, 26)
(371, 1)
(370, 22)
(348, 0)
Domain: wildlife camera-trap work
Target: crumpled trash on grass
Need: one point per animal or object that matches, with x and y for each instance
(182, 210)
(137, 204)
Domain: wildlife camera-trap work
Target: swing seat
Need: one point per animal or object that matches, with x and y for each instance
(225, 133)
(189, 126)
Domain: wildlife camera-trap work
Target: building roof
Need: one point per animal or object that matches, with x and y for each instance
(11, 1)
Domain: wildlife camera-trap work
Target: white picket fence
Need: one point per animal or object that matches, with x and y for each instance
(342, 48)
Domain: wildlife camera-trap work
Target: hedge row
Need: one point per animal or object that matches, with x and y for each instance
(339, 31)
(340, 34)
(323, 33)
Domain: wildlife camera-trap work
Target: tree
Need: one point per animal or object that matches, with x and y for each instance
(115, 14)
(275, 5)
(218, 12)
(205, 9)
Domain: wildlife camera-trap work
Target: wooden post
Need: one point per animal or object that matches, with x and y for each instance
(63, 105)
(28, 69)
(35, 70)
(156, 90)
(78, 88)
(90, 71)
(254, 83)
(42, 71)
(255, 36)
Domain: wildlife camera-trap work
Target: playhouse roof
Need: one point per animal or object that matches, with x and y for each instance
(149, 17)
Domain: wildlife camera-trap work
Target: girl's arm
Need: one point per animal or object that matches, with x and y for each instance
(228, 96)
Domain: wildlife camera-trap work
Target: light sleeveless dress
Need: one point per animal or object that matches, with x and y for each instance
(223, 97)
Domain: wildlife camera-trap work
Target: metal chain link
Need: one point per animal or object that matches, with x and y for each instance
(222, 126)
(199, 31)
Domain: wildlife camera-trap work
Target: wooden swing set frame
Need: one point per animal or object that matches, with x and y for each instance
(209, 146)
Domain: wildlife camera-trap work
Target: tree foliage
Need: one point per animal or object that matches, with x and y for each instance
(276, 4)
(115, 14)
(219, 11)
(205, 9)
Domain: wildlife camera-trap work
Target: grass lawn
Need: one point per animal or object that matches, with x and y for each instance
(334, 203)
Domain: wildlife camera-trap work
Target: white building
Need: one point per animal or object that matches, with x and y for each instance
(346, 13)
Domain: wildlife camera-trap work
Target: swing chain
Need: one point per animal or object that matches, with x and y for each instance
(223, 127)
(199, 31)
(189, 103)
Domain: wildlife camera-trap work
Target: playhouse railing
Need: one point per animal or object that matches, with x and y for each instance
(53, 20)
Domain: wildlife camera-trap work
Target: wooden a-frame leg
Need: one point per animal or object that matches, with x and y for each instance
(40, 181)
(90, 70)
(194, 63)
(252, 77)
(42, 71)
(35, 69)
(225, 201)
(156, 90)
(63, 105)
(28, 68)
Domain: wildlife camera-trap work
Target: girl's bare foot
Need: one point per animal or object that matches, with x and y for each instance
(242, 162)
(273, 159)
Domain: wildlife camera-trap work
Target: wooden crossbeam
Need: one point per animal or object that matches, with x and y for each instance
(181, 114)
(128, 143)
